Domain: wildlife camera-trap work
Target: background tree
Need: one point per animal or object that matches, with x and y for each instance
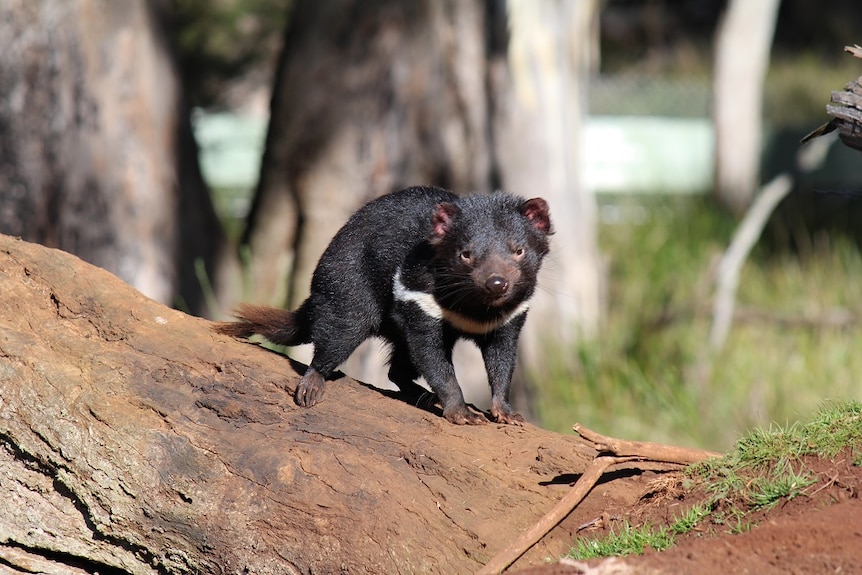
(741, 60)
(369, 97)
(96, 155)
(227, 49)
(552, 51)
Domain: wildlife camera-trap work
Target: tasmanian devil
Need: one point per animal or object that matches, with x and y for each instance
(421, 268)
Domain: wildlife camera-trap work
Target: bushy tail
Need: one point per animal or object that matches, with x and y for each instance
(279, 326)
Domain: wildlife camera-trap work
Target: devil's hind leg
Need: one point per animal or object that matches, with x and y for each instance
(335, 333)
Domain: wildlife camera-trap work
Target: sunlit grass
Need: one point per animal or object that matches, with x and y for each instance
(836, 427)
(631, 540)
(627, 540)
(767, 466)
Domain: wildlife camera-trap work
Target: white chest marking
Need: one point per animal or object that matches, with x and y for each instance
(430, 307)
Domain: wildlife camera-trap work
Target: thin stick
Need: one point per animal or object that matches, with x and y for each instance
(743, 241)
(751, 227)
(643, 449)
(856, 50)
(623, 451)
(559, 512)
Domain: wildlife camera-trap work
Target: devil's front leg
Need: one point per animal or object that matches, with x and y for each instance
(499, 350)
(430, 350)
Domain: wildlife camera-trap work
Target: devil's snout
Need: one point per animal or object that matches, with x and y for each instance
(497, 285)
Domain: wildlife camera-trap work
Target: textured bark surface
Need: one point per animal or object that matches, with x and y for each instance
(845, 107)
(96, 152)
(133, 438)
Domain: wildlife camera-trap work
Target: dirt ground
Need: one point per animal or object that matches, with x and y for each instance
(817, 532)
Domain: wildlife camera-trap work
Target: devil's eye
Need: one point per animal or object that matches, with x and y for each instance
(518, 252)
(465, 256)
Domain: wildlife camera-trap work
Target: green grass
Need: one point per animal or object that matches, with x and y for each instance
(690, 519)
(767, 466)
(629, 540)
(648, 374)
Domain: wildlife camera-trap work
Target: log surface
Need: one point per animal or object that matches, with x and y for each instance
(133, 439)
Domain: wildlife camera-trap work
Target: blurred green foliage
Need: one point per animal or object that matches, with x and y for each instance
(649, 375)
(219, 41)
(659, 55)
(798, 87)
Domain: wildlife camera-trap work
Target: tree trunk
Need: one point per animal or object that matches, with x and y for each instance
(741, 61)
(135, 440)
(539, 150)
(96, 154)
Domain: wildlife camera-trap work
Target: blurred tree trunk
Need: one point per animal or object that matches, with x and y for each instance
(539, 149)
(741, 61)
(372, 96)
(96, 154)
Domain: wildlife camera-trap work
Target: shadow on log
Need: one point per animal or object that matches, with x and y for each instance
(136, 440)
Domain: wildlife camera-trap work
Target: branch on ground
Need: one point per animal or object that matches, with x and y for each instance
(611, 451)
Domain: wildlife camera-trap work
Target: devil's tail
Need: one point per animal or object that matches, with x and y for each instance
(278, 326)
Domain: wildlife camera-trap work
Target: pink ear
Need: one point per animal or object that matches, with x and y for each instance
(441, 220)
(536, 210)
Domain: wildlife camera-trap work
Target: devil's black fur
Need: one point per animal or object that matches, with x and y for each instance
(421, 268)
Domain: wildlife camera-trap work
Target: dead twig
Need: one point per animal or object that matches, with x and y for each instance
(855, 49)
(582, 487)
(611, 452)
(643, 449)
(744, 239)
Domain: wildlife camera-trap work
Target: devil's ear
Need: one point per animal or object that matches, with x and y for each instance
(441, 220)
(536, 210)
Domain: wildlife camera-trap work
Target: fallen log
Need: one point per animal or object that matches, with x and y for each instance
(133, 439)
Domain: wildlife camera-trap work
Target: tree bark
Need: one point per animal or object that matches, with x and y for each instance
(845, 107)
(741, 61)
(135, 440)
(96, 154)
(538, 148)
